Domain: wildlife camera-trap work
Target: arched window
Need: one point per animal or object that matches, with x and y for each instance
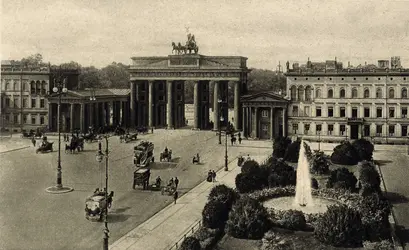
(378, 93)
(404, 93)
(354, 93)
(15, 85)
(366, 93)
(43, 87)
(293, 91)
(308, 93)
(342, 93)
(7, 85)
(330, 93)
(391, 93)
(301, 93)
(38, 87)
(318, 93)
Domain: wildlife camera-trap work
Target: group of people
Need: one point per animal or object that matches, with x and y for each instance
(44, 141)
(211, 176)
(173, 183)
(102, 193)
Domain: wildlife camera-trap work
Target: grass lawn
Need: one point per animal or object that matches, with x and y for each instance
(300, 241)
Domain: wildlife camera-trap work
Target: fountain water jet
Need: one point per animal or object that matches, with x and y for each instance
(303, 195)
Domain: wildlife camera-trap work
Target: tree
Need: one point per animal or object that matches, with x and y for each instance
(280, 146)
(190, 243)
(293, 151)
(345, 154)
(265, 80)
(215, 214)
(115, 75)
(89, 77)
(364, 148)
(33, 60)
(224, 194)
(319, 163)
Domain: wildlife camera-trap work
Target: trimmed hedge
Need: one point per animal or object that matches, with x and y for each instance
(369, 178)
(345, 154)
(190, 243)
(293, 220)
(342, 178)
(364, 148)
(223, 194)
(215, 214)
(208, 237)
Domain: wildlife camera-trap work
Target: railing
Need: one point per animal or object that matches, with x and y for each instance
(191, 231)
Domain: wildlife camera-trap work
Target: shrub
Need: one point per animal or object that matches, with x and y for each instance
(280, 146)
(345, 154)
(208, 237)
(215, 214)
(248, 219)
(281, 175)
(246, 183)
(293, 220)
(250, 167)
(369, 178)
(273, 241)
(223, 194)
(381, 245)
(190, 243)
(293, 151)
(314, 183)
(319, 163)
(342, 178)
(364, 148)
(266, 194)
(340, 226)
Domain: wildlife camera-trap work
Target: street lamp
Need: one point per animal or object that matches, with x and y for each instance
(226, 168)
(99, 157)
(219, 101)
(59, 89)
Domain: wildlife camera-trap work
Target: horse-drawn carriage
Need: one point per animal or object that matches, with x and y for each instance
(166, 154)
(196, 159)
(31, 134)
(96, 206)
(45, 147)
(143, 154)
(141, 178)
(90, 137)
(75, 144)
(128, 137)
(169, 189)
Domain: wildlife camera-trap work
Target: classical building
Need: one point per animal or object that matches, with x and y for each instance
(23, 90)
(157, 87)
(264, 115)
(331, 102)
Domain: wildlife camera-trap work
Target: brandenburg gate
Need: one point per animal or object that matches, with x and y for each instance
(157, 88)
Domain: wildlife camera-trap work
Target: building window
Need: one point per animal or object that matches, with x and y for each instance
(319, 127)
(161, 98)
(25, 103)
(264, 113)
(354, 79)
(366, 78)
(15, 119)
(265, 127)
(7, 118)
(391, 93)
(379, 79)
(318, 112)
(354, 112)
(366, 112)
(42, 103)
(142, 98)
(354, 93)
(391, 112)
(391, 130)
(404, 93)
(342, 93)
(33, 102)
(33, 119)
(41, 120)
(142, 87)
(301, 93)
(366, 93)
(342, 129)
(25, 119)
(318, 93)
(330, 78)
(307, 111)
(295, 110)
(179, 97)
(161, 86)
(342, 78)
(342, 112)
(295, 128)
(308, 93)
(366, 130)
(8, 102)
(330, 93)
(391, 78)
(24, 86)
(378, 130)
(15, 102)
(7, 87)
(330, 129)
(405, 130)
(378, 93)
(330, 112)
(379, 112)
(295, 79)
(306, 128)
(404, 112)
(306, 78)
(293, 91)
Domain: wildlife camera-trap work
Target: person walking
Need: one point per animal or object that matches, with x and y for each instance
(175, 196)
(176, 182)
(213, 176)
(33, 141)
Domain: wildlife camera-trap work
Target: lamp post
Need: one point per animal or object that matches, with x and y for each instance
(99, 158)
(59, 89)
(219, 101)
(319, 140)
(226, 167)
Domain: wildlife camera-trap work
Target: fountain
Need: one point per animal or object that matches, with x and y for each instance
(303, 200)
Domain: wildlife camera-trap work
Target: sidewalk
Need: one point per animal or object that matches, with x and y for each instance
(169, 225)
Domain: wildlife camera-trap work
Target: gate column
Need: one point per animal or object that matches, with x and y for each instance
(237, 124)
(82, 118)
(132, 104)
(196, 104)
(72, 117)
(169, 110)
(216, 106)
(150, 104)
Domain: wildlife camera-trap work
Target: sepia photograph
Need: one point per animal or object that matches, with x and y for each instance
(207, 124)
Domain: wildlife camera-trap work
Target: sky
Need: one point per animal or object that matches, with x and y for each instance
(93, 32)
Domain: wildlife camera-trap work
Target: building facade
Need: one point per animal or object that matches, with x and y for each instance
(24, 102)
(333, 103)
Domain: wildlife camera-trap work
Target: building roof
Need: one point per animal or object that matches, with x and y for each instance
(264, 96)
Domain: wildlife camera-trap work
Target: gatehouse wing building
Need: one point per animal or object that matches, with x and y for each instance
(333, 103)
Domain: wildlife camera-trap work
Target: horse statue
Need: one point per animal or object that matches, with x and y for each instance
(182, 48)
(191, 44)
(175, 48)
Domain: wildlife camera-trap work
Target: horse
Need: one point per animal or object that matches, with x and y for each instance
(175, 48)
(182, 48)
(233, 140)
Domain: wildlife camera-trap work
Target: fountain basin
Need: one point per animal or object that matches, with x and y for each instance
(319, 205)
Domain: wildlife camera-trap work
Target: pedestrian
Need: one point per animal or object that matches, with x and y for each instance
(213, 176)
(176, 182)
(209, 176)
(65, 138)
(33, 141)
(239, 140)
(68, 138)
(152, 130)
(175, 196)
(248, 157)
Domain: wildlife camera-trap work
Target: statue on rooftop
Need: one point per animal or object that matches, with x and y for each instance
(190, 46)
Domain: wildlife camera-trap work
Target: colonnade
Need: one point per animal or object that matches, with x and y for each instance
(254, 119)
(158, 103)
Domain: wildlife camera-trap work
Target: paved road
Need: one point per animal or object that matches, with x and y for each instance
(30, 218)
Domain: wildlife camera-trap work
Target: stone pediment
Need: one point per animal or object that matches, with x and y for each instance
(264, 97)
